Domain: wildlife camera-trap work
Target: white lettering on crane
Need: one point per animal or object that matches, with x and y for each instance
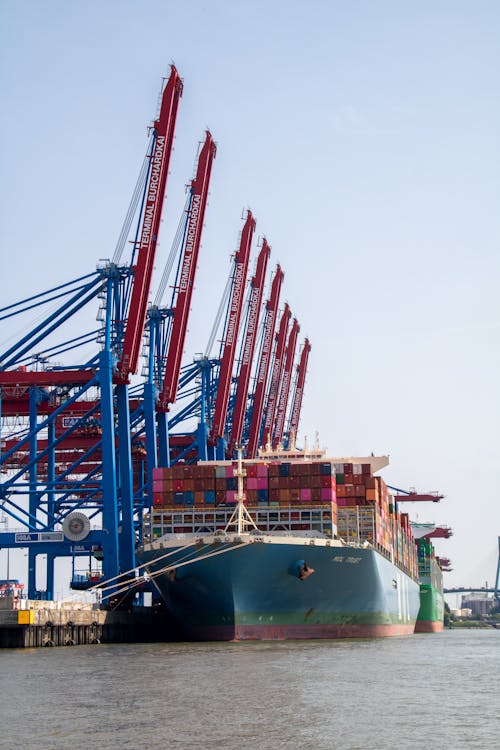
(266, 347)
(238, 276)
(252, 317)
(152, 191)
(188, 252)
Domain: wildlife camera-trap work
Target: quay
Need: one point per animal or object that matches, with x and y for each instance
(33, 624)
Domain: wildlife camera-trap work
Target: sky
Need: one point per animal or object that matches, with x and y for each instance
(364, 137)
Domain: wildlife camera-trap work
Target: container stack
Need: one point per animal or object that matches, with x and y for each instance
(271, 484)
(366, 511)
(184, 485)
(359, 504)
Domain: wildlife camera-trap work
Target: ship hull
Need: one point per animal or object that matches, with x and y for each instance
(430, 617)
(229, 590)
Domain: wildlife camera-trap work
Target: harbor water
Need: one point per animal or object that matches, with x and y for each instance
(422, 691)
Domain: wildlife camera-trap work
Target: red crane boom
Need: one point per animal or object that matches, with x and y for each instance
(263, 368)
(279, 427)
(299, 390)
(232, 327)
(276, 376)
(199, 190)
(164, 128)
(257, 290)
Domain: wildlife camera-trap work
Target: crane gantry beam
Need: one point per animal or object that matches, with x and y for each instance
(231, 333)
(263, 365)
(252, 323)
(199, 195)
(296, 407)
(279, 426)
(163, 139)
(276, 376)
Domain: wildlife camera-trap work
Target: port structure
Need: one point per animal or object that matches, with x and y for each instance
(80, 440)
(481, 589)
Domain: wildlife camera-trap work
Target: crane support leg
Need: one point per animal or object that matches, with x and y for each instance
(49, 594)
(31, 573)
(163, 445)
(127, 537)
(33, 504)
(110, 564)
(150, 428)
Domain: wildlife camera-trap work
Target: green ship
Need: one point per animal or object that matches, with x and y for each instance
(430, 618)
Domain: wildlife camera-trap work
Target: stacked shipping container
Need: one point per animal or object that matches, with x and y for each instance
(359, 504)
(275, 484)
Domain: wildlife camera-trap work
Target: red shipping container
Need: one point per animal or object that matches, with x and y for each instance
(327, 494)
(178, 485)
(359, 490)
(349, 490)
(262, 470)
(357, 479)
(251, 470)
(348, 477)
(341, 490)
(316, 494)
(366, 469)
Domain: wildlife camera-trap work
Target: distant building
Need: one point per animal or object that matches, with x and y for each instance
(479, 604)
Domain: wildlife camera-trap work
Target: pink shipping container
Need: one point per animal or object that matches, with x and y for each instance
(262, 483)
(231, 496)
(252, 483)
(327, 493)
(305, 493)
(262, 470)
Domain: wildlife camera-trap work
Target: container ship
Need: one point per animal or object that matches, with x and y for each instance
(291, 545)
(430, 618)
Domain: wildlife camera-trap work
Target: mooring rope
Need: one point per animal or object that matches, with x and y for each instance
(152, 575)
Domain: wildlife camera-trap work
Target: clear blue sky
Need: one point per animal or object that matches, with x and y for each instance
(363, 135)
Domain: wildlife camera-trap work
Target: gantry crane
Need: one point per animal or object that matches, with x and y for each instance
(263, 365)
(249, 342)
(64, 476)
(241, 261)
(276, 376)
(285, 385)
(163, 138)
(298, 392)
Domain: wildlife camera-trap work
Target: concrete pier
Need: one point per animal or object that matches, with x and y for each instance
(44, 624)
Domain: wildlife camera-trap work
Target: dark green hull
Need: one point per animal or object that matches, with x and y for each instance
(430, 618)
